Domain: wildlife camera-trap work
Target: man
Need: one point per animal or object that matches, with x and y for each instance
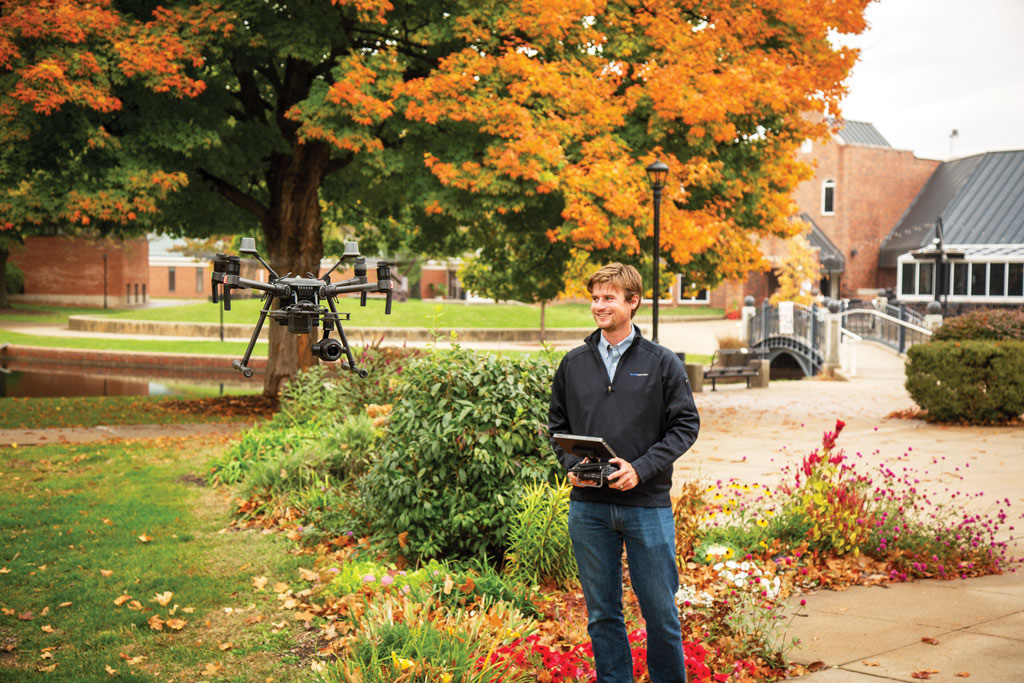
(635, 395)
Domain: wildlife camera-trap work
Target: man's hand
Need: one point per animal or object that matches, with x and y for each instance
(626, 478)
(576, 482)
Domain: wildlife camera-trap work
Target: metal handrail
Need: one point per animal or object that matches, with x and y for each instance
(885, 316)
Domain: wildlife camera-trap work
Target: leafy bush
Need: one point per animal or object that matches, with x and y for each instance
(539, 549)
(971, 381)
(994, 324)
(464, 440)
(14, 279)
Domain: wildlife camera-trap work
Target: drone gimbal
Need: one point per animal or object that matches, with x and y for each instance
(298, 300)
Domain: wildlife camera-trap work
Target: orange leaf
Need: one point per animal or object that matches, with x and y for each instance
(963, 674)
(106, 573)
(260, 582)
(156, 623)
(163, 599)
(145, 538)
(225, 646)
(930, 641)
(122, 599)
(307, 575)
(46, 629)
(403, 539)
(110, 670)
(176, 624)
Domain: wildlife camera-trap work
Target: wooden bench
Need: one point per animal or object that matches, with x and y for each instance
(733, 364)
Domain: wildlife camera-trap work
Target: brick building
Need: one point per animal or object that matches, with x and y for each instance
(77, 271)
(861, 187)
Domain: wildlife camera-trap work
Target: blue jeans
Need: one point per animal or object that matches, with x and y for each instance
(598, 531)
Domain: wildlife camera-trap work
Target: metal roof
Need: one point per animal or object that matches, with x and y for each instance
(980, 200)
(831, 259)
(862, 134)
(980, 252)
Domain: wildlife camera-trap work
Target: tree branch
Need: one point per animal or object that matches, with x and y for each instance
(240, 199)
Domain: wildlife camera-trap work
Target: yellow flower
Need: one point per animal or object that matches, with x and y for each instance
(446, 678)
(762, 523)
(401, 663)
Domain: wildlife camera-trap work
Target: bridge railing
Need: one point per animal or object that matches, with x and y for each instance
(899, 332)
(806, 324)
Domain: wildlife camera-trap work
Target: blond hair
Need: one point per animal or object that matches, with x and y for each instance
(620, 276)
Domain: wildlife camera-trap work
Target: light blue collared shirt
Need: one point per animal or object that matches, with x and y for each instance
(611, 354)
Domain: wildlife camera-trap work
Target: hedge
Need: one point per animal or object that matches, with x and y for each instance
(995, 324)
(968, 381)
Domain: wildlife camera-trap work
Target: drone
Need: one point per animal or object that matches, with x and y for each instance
(299, 301)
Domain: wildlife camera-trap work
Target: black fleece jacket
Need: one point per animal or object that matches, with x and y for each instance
(646, 414)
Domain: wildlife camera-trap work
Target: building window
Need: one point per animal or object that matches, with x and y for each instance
(807, 147)
(1015, 279)
(907, 281)
(926, 278)
(170, 278)
(979, 279)
(700, 297)
(997, 279)
(828, 197)
(199, 279)
(960, 278)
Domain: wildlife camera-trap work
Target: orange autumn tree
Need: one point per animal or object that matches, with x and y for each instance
(438, 125)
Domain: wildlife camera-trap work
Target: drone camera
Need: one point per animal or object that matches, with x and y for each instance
(328, 350)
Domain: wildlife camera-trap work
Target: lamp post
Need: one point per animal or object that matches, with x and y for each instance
(657, 172)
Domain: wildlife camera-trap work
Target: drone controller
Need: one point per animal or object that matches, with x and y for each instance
(299, 301)
(594, 471)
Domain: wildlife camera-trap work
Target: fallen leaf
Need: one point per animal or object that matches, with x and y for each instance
(46, 610)
(254, 619)
(176, 624)
(930, 641)
(4, 570)
(107, 521)
(25, 616)
(282, 587)
(290, 603)
(448, 585)
(815, 666)
(867, 663)
(308, 575)
(110, 670)
(7, 611)
(304, 616)
(245, 566)
(260, 582)
(188, 610)
(163, 599)
(145, 538)
(156, 623)
(212, 669)
(65, 604)
(122, 599)
(135, 605)
(48, 669)
(963, 674)
(924, 675)
(106, 573)
(46, 629)
(226, 646)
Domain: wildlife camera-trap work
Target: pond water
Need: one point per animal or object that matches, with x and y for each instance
(25, 381)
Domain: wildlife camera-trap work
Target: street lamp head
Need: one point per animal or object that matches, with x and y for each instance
(657, 172)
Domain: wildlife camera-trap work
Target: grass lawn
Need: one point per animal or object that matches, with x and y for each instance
(89, 411)
(114, 343)
(413, 313)
(114, 563)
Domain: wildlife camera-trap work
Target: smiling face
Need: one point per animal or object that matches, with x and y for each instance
(612, 312)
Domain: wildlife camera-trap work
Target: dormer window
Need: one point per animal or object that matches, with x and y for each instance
(828, 197)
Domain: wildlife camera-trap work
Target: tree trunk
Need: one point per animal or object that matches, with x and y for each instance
(292, 232)
(543, 305)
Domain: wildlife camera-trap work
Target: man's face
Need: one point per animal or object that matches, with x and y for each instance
(611, 310)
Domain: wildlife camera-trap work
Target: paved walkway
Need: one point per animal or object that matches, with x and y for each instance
(865, 634)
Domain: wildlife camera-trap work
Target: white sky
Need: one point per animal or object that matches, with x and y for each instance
(930, 66)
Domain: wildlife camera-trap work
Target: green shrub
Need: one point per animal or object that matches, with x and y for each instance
(995, 324)
(465, 438)
(14, 279)
(539, 549)
(971, 381)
